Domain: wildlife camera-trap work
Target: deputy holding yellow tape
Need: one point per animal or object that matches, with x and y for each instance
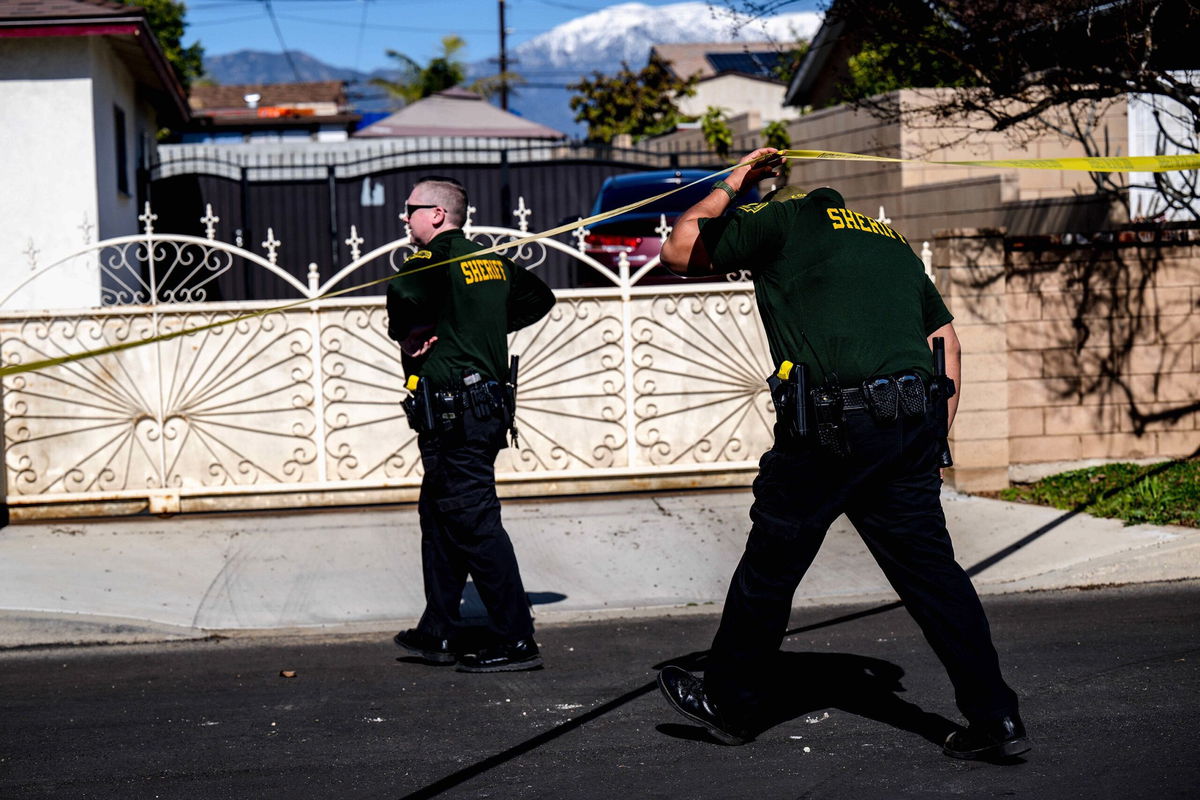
(862, 412)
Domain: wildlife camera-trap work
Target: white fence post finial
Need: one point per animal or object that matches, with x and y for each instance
(31, 253)
(467, 225)
(663, 230)
(147, 217)
(883, 217)
(86, 227)
(272, 244)
(314, 278)
(210, 221)
(927, 259)
(522, 214)
(354, 241)
(580, 236)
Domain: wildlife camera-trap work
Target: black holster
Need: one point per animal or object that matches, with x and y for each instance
(790, 398)
(941, 389)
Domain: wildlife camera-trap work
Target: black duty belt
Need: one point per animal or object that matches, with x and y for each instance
(446, 409)
(853, 399)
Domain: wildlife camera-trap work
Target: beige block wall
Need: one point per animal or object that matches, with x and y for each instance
(973, 141)
(971, 276)
(1071, 354)
(922, 198)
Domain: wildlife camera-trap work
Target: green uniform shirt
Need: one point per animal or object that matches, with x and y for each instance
(836, 290)
(473, 304)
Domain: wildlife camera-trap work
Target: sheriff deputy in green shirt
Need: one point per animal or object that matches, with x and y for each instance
(452, 322)
(851, 318)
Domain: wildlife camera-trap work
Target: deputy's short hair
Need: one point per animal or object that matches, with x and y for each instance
(784, 193)
(449, 194)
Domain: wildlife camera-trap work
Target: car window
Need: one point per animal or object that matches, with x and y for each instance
(617, 196)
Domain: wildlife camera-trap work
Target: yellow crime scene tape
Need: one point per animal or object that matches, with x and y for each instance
(1174, 163)
(1093, 164)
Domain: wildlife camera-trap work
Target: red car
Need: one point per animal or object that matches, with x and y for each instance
(639, 234)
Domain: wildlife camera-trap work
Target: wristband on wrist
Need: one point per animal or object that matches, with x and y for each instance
(726, 188)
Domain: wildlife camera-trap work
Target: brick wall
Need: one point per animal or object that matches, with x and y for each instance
(1072, 352)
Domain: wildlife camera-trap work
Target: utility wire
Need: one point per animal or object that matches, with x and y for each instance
(376, 25)
(224, 21)
(282, 44)
(362, 27)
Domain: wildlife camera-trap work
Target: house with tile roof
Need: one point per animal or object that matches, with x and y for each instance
(85, 87)
(455, 113)
(310, 111)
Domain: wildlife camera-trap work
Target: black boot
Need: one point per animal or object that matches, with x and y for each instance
(985, 741)
(511, 657)
(685, 692)
(430, 648)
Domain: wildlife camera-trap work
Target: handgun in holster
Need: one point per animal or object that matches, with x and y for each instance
(941, 389)
(789, 394)
(418, 406)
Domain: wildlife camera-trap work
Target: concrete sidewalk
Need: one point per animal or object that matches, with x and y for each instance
(150, 579)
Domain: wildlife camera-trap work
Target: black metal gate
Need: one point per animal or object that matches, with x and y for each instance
(309, 201)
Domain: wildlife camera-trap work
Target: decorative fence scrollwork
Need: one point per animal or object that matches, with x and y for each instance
(623, 382)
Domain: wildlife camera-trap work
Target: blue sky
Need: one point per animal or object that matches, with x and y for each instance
(356, 33)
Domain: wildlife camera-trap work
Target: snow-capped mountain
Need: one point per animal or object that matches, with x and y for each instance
(602, 40)
(626, 32)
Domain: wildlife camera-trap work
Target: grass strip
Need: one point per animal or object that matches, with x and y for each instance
(1136, 494)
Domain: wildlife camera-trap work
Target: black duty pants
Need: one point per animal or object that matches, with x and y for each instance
(890, 489)
(461, 532)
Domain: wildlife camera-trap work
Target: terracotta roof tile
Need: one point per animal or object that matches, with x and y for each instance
(209, 98)
(455, 112)
(62, 9)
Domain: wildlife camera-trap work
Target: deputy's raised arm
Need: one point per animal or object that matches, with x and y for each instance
(684, 252)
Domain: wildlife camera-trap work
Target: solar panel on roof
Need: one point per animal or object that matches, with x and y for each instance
(761, 64)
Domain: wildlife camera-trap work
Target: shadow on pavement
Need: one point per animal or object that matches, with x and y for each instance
(473, 609)
(877, 703)
(802, 683)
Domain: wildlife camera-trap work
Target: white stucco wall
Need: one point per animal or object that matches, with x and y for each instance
(113, 86)
(48, 164)
(739, 95)
(58, 159)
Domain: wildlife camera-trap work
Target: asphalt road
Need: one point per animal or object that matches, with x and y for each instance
(1109, 680)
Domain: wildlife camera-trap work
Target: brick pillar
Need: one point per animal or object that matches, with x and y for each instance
(969, 266)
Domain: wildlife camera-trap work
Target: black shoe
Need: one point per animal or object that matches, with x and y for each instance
(512, 657)
(430, 648)
(1002, 738)
(685, 692)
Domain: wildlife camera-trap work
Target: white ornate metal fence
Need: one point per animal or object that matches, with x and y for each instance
(621, 387)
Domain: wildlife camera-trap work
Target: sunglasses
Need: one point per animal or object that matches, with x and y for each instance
(410, 209)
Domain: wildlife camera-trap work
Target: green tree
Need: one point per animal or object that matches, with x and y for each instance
(442, 72)
(642, 104)
(715, 128)
(165, 18)
(792, 57)
(884, 65)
